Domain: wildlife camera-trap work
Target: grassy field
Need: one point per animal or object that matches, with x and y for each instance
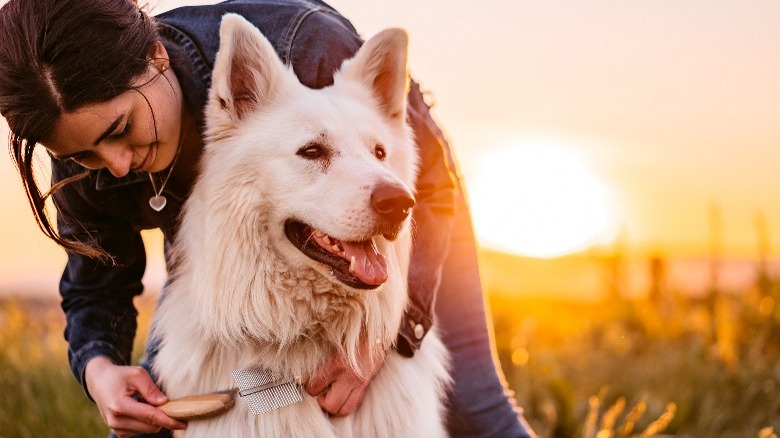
(616, 367)
(705, 367)
(39, 397)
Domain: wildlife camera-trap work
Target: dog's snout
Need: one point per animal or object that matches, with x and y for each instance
(391, 202)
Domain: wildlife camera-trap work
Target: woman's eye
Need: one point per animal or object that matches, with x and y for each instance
(380, 153)
(311, 151)
(122, 133)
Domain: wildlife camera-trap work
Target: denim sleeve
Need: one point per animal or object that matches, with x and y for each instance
(322, 42)
(314, 59)
(433, 218)
(97, 296)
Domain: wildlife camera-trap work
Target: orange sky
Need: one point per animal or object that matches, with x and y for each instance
(674, 104)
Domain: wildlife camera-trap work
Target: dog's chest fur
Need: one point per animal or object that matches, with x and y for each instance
(244, 295)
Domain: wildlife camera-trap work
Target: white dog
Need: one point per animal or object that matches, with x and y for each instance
(295, 243)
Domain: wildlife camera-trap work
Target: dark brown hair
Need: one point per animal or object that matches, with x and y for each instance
(55, 57)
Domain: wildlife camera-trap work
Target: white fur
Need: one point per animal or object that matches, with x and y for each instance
(242, 295)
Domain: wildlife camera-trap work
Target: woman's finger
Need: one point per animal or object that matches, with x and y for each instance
(318, 384)
(325, 376)
(335, 398)
(351, 404)
(150, 415)
(152, 396)
(140, 380)
(127, 427)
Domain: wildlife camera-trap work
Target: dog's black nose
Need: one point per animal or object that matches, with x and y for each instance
(392, 202)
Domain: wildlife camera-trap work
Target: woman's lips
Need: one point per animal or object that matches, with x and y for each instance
(148, 161)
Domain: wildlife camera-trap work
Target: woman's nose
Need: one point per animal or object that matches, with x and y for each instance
(118, 158)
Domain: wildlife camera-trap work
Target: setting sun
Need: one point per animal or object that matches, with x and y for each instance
(539, 200)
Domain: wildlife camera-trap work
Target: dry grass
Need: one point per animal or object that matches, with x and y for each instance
(616, 368)
(688, 368)
(40, 397)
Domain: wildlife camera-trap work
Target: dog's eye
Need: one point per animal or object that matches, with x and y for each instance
(312, 151)
(380, 153)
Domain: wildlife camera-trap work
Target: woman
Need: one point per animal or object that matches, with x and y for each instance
(116, 98)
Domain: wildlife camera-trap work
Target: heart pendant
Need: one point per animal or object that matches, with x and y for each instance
(157, 202)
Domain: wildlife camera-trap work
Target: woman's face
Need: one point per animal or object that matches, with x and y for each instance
(138, 131)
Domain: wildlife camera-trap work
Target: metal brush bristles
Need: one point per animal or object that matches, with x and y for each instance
(263, 392)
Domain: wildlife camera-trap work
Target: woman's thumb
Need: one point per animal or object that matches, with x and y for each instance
(149, 391)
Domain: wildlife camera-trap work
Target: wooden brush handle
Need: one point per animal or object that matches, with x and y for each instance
(198, 406)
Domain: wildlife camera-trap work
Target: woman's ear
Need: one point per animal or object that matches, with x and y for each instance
(158, 56)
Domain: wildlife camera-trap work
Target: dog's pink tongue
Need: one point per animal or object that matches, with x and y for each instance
(369, 266)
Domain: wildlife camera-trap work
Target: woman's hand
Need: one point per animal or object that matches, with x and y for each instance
(338, 388)
(113, 387)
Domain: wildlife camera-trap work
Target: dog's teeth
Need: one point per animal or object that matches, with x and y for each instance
(335, 248)
(325, 238)
(352, 264)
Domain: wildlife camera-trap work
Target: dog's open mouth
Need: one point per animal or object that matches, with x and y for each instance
(356, 264)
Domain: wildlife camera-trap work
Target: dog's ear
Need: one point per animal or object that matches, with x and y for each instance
(246, 69)
(381, 64)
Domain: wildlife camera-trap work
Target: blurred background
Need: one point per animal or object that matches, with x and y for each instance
(621, 162)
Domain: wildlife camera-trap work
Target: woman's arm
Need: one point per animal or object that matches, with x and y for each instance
(432, 217)
(97, 297)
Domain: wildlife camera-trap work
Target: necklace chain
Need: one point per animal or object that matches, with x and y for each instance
(158, 201)
(167, 177)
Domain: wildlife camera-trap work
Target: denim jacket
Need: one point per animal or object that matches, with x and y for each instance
(97, 297)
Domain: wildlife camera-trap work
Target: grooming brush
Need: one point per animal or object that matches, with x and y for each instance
(261, 391)
(195, 407)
